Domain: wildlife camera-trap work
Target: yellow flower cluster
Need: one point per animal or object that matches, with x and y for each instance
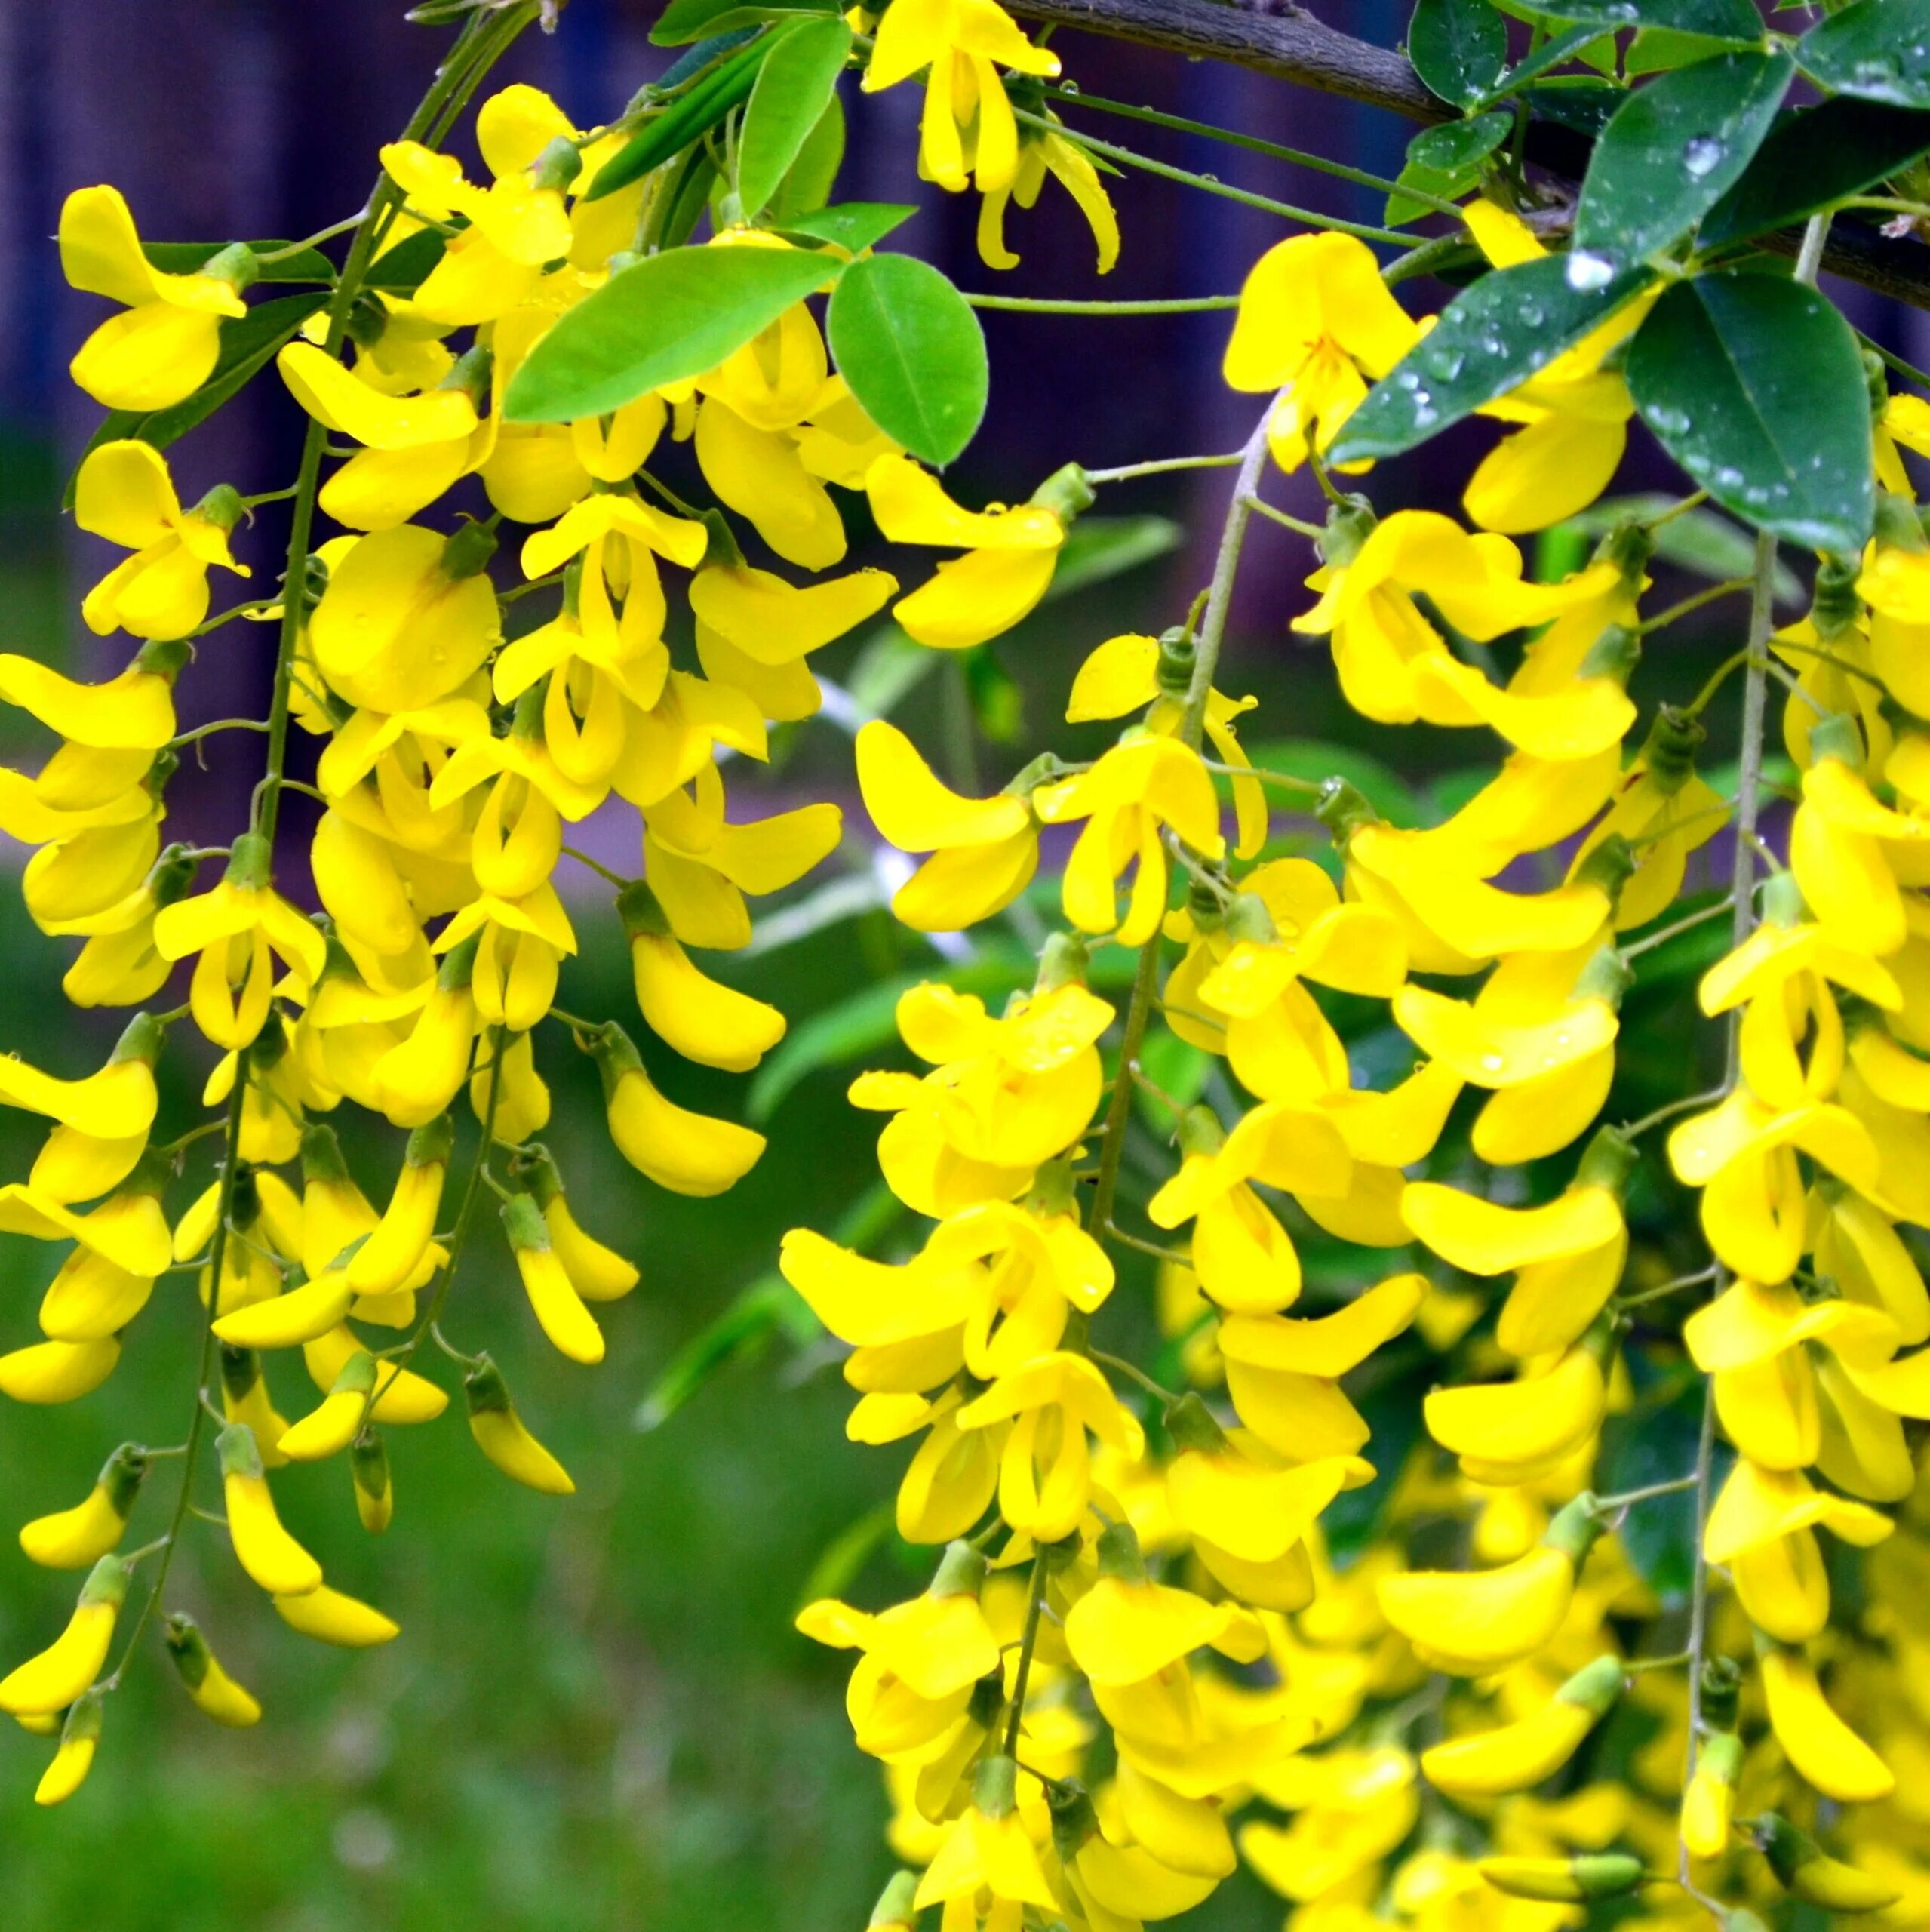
(1134, 1629)
(456, 746)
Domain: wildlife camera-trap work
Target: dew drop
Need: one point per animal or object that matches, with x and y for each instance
(1586, 271)
(1703, 155)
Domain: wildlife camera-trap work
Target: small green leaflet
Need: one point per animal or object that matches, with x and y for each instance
(1445, 162)
(810, 180)
(662, 320)
(184, 257)
(1735, 21)
(1490, 339)
(913, 353)
(793, 88)
(683, 21)
(1673, 149)
(247, 341)
(685, 119)
(1877, 49)
(1841, 146)
(1755, 385)
(1458, 47)
(1572, 45)
(854, 225)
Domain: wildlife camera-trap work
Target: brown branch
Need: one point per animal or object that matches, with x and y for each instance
(1294, 46)
(1291, 46)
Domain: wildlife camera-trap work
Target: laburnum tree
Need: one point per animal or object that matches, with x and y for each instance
(1458, 1290)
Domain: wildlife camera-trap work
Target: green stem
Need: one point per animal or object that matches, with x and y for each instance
(1294, 157)
(1035, 1604)
(198, 1422)
(465, 1216)
(1304, 217)
(1226, 566)
(1160, 466)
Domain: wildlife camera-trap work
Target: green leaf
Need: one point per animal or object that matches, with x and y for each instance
(1673, 150)
(769, 1307)
(1877, 49)
(184, 257)
(795, 86)
(1576, 101)
(852, 226)
(1755, 385)
(661, 320)
(684, 21)
(1810, 160)
(1445, 162)
(1490, 339)
(1099, 547)
(248, 343)
(687, 118)
(403, 268)
(1577, 44)
(1458, 47)
(912, 351)
(809, 182)
(1736, 22)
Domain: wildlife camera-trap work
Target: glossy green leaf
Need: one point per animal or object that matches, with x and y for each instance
(912, 351)
(686, 119)
(184, 257)
(403, 268)
(685, 21)
(1735, 21)
(248, 343)
(1877, 49)
(1755, 385)
(1812, 159)
(1674, 149)
(1458, 47)
(812, 178)
(852, 226)
(1445, 162)
(1577, 44)
(793, 87)
(1490, 339)
(662, 320)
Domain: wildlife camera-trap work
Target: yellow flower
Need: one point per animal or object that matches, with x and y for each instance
(514, 226)
(1045, 1470)
(967, 127)
(1472, 1624)
(1244, 1258)
(499, 1433)
(1143, 785)
(1125, 673)
(213, 1690)
(407, 618)
(685, 1153)
(1010, 553)
(1315, 322)
(1043, 152)
(54, 1679)
(415, 447)
(164, 344)
(1762, 1527)
(1569, 1252)
(238, 929)
(1492, 1763)
(1574, 413)
(1395, 666)
(124, 494)
(75, 1539)
(984, 851)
